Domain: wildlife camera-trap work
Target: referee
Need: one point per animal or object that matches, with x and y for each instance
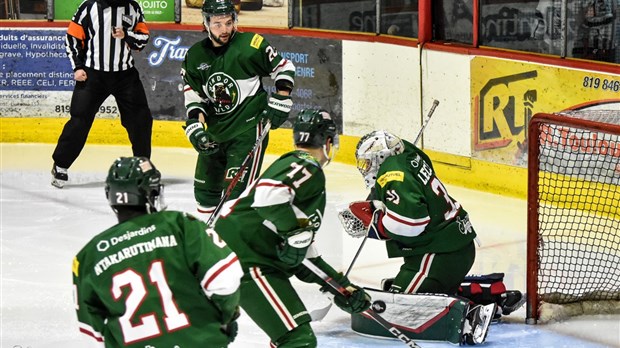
(99, 41)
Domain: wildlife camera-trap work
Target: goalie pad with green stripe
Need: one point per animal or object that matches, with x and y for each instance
(421, 317)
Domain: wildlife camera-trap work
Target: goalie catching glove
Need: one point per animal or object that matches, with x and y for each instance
(195, 132)
(277, 110)
(293, 249)
(363, 218)
(356, 300)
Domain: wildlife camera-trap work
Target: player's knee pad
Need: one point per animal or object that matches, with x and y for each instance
(301, 336)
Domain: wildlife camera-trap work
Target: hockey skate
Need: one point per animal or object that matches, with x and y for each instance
(511, 300)
(59, 176)
(476, 325)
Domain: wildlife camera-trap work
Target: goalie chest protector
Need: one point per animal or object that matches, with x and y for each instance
(421, 317)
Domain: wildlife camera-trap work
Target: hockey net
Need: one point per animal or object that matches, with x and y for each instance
(573, 243)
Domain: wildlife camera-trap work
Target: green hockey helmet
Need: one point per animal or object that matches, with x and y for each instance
(134, 181)
(212, 8)
(313, 128)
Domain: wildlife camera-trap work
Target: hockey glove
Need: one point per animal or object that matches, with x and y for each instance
(231, 328)
(356, 301)
(293, 249)
(370, 214)
(195, 132)
(277, 110)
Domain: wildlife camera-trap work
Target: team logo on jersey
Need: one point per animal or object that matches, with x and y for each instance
(465, 225)
(392, 196)
(391, 176)
(103, 245)
(223, 91)
(416, 161)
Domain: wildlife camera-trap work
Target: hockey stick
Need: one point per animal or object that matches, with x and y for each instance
(319, 314)
(372, 314)
(238, 176)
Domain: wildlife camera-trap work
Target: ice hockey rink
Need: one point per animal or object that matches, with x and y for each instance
(43, 227)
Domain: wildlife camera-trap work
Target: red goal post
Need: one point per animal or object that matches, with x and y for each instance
(573, 230)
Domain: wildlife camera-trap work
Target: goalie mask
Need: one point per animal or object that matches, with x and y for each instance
(372, 150)
(313, 128)
(211, 8)
(134, 181)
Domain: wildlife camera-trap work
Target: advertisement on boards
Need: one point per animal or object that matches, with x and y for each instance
(506, 94)
(318, 69)
(36, 78)
(154, 10)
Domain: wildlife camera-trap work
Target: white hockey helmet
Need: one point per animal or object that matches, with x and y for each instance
(372, 150)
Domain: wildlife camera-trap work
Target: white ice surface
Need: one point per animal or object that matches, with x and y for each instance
(43, 227)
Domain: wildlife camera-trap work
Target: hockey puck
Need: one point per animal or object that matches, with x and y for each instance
(378, 306)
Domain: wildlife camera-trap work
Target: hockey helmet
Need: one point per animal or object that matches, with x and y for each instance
(372, 150)
(134, 181)
(217, 8)
(313, 127)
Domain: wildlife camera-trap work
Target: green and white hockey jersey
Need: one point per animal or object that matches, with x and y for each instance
(225, 82)
(160, 280)
(420, 215)
(292, 188)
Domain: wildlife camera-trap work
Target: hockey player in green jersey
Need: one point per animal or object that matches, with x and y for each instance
(421, 223)
(157, 278)
(415, 216)
(271, 227)
(227, 106)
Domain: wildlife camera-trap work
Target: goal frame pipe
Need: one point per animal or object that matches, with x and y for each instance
(533, 239)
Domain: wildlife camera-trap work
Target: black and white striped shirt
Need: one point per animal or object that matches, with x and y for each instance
(89, 41)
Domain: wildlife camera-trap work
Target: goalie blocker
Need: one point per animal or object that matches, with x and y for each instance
(426, 317)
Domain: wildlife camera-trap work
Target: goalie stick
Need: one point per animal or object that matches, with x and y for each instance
(372, 314)
(237, 177)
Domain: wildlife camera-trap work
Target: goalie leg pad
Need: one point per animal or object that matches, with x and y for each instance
(427, 317)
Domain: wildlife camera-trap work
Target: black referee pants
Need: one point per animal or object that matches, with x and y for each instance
(88, 96)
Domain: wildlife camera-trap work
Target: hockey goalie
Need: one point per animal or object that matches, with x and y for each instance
(432, 297)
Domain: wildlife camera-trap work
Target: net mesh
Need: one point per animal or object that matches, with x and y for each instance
(579, 213)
